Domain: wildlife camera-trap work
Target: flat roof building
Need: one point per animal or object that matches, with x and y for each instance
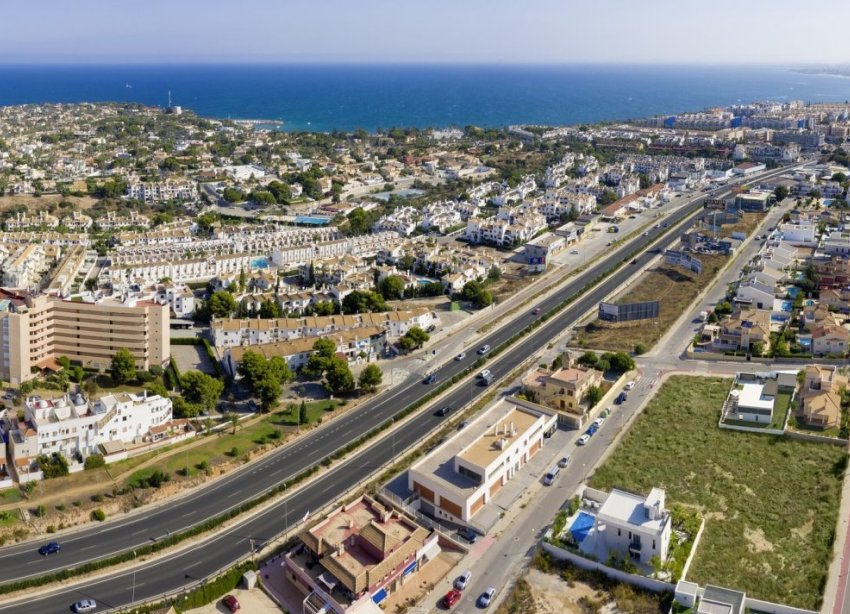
(458, 478)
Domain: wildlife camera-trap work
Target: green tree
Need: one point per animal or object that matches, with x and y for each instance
(592, 395)
(267, 390)
(183, 408)
(323, 351)
(363, 301)
(338, 377)
(123, 367)
(757, 348)
(619, 361)
(233, 418)
(370, 378)
(302, 413)
(607, 197)
(263, 198)
(780, 192)
(414, 338)
(495, 273)
(221, 304)
(201, 389)
(392, 287)
(233, 195)
(588, 359)
(53, 466)
(640, 348)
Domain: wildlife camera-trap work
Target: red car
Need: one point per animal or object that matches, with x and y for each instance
(231, 603)
(451, 598)
(536, 311)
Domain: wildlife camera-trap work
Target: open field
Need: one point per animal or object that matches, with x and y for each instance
(747, 224)
(770, 503)
(672, 286)
(36, 203)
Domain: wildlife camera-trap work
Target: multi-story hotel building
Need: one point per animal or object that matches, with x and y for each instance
(35, 330)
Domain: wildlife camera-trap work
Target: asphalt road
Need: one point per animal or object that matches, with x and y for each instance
(172, 572)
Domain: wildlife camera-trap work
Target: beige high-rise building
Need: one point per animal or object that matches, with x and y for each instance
(36, 330)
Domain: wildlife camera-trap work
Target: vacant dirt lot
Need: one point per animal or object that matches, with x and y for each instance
(36, 203)
(674, 287)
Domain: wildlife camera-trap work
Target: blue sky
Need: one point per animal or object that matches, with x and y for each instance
(542, 31)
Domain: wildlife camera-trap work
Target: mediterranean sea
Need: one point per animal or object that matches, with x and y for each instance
(346, 97)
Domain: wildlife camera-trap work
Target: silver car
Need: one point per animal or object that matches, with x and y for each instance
(486, 597)
(86, 605)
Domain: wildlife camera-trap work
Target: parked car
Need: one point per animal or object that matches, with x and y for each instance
(564, 461)
(431, 379)
(551, 475)
(231, 603)
(467, 534)
(484, 374)
(574, 252)
(607, 412)
(51, 548)
(85, 605)
(443, 411)
(460, 356)
(591, 430)
(484, 349)
(463, 580)
(536, 311)
(621, 398)
(599, 422)
(463, 425)
(629, 385)
(583, 440)
(451, 598)
(634, 261)
(486, 597)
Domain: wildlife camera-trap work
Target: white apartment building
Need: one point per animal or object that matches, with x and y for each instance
(164, 191)
(76, 428)
(25, 267)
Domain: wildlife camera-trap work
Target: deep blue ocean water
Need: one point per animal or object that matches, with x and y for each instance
(324, 97)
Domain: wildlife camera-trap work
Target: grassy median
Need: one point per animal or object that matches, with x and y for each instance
(770, 503)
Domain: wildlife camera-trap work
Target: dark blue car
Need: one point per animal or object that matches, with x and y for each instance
(592, 430)
(51, 548)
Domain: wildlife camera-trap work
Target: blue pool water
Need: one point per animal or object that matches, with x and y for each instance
(776, 317)
(787, 306)
(425, 282)
(806, 342)
(309, 219)
(827, 202)
(793, 291)
(259, 263)
(808, 303)
(581, 526)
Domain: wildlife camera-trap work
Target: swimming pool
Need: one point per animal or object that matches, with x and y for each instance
(425, 282)
(312, 219)
(581, 526)
(259, 263)
(793, 291)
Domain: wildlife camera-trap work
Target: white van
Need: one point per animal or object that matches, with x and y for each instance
(549, 478)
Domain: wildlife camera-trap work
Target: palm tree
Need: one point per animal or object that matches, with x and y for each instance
(233, 417)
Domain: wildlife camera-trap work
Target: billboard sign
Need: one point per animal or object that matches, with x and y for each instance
(628, 312)
(683, 259)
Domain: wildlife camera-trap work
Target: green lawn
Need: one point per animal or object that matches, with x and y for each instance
(10, 495)
(770, 503)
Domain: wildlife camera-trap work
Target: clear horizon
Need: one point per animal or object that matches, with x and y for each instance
(443, 31)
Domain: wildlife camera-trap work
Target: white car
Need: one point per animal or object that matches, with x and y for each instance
(583, 439)
(484, 349)
(463, 580)
(460, 356)
(86, 605)
(599, 422)
(574, 252)
(629, 385)
(486, 597)
(484, 374)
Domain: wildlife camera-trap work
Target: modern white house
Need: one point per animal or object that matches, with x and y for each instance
(753, 402)
(626, 525)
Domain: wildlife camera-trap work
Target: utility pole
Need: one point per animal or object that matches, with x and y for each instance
(133, 596)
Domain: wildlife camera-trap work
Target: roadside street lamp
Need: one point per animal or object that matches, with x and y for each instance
(133, 595)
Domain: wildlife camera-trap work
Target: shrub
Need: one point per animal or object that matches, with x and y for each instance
(51, 528)
(98, 515)
(40, 511)
(640, 348)
(95, 461)
(233, 452)
(97, 498)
